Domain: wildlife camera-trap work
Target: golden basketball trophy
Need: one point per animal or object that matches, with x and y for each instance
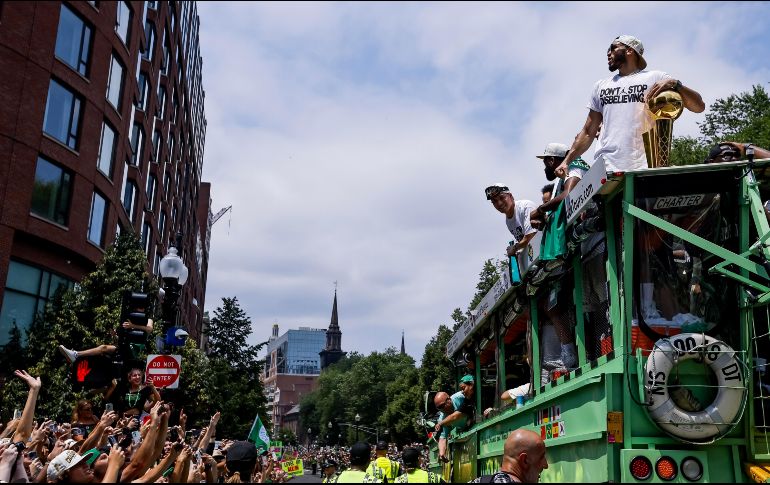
(665, 108)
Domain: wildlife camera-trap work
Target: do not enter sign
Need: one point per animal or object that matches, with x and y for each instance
(164, 370)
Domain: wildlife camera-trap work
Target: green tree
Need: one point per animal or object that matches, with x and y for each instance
(287, 436)
(487, 278)
(12, 353)
(744, 118)
(459, 318)
(436, 370)
(381, 388)
(687, 150)
(228, 332)
(234, 370)
(82, 317)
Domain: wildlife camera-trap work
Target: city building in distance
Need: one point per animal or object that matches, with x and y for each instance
(294, 362)
(292, 368)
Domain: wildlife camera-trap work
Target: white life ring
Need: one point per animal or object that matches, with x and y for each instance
(721, 415)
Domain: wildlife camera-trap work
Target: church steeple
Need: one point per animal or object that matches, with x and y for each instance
(403, 349)
(334, 335)
(332, 353)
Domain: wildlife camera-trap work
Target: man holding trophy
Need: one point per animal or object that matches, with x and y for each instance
(619, 105)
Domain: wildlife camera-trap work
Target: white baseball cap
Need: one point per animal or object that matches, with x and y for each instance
(635, 44)
(496, 189)
(63, 462)
(558, 150)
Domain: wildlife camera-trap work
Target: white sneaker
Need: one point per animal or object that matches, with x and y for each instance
(70, 355)
(545, 376)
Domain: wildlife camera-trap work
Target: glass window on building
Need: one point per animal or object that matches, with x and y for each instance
(156, 141)
(123, 21)
(151, 188)
(166, 183)
(149, 34)
(171, 142)
(162, 225)
(73, 40)
(129, 199)
(164, 66)
(161, 110)
(51, 192)
(62, 114)
(115, 83)
(146, 237)
(106, 159)
(137, 143)
(27, 289)
(98, 219)
(141, 102)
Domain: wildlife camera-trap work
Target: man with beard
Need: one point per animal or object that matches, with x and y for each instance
(619, 102)
(523, 459)
(552, 218)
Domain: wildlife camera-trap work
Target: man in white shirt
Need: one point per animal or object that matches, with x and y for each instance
(619, 105)
(516, 215)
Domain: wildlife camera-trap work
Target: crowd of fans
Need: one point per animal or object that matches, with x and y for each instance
(115, 448)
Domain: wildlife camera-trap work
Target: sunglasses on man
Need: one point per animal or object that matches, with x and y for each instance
(495, 190)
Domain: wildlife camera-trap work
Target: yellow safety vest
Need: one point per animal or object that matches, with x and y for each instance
(354, 476)
(384, 467)
(419, 476)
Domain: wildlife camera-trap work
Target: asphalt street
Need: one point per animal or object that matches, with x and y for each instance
(308, 477)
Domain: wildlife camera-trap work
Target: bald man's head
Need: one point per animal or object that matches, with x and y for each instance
(443, 402)
(524, 455)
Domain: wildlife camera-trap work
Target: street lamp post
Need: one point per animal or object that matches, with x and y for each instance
(358, 420)
(309, 430)
(174, 274)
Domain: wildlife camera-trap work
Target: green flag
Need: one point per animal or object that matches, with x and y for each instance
(258, 435)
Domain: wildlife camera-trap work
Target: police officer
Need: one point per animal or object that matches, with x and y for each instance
(382, 466)
(329, 471)
(360, 456)
(414, 474)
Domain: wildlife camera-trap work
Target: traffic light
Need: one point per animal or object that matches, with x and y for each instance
(91, 372)
(135, 309)
(136, 306)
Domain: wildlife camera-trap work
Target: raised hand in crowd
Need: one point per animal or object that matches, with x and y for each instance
(8, 455)
(211, 473)
(115, 461)
(182, 421)
(10, 428)
(64, 432)
(24, 428)
(182, 466)
(210, 432)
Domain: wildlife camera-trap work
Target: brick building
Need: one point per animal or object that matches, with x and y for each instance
(102, 130)
(292, 367)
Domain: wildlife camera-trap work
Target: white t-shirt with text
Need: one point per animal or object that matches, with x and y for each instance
(620, 100)
(519, 224)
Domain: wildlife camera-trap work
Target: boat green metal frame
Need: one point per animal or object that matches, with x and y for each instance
(613, 376)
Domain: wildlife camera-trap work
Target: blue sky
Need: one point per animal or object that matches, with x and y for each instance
(354, 140)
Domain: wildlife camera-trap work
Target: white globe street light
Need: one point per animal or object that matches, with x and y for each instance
(172, 268)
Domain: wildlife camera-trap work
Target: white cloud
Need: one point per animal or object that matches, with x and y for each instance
(354, 141)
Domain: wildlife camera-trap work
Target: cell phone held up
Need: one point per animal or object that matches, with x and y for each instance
(108, 407)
